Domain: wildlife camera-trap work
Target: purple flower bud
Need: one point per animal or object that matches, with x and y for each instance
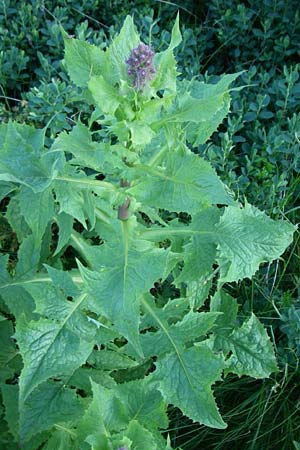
(140, 65)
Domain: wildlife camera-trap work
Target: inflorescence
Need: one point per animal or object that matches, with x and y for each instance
(140, 65)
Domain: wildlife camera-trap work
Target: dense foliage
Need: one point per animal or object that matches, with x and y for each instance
(81, 193)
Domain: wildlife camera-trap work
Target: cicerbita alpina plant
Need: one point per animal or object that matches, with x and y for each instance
(104, 318)
(140, 65)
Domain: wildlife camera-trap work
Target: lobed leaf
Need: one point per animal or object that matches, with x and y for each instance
(185, 183)
(119, 284)
(246, 237)
(252, 351)
(185, 378)
(53, 348)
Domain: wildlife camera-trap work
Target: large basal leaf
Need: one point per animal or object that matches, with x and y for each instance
(56, 345)
(119, 284)
(185, 183)
(252, 351)
(185, 378)
(246, 238)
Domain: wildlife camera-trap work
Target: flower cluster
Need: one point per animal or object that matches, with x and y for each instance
(140, 66)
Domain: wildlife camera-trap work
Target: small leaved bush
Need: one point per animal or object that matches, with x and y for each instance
(91, 358)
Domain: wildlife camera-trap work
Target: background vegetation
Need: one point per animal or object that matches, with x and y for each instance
(256, 151)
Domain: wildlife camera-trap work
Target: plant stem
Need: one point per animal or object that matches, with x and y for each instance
(123, 210)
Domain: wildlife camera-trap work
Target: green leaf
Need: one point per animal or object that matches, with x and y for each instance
(105, 95)
(217, 100)
(20, 160)
(83, 61)
(200, 251)
(252, 351)
(51, 403)
(185, 378)
(65, 227)
(228, 306)
(28, 257)
(111, 360)
(16, 220)
(176, 37)
(5, 189)
(53, 347)
(74, 201)
(144, 403)
(246, 237)
(173, 310)
(37, 209)
(63, 281)
(121, 281)
(10, 400)
(60, 440)
(8, 350)
(79, 143)
(166, 73)
(193, 326)
(141, 133)
(120, 48)
(106, 412)
(199, 133)
(165, 63)
(185, 183)
(185, 375)
(198, 291)
(226, 322)
(141, 438)
(17, 300)
(190, 109)
(82, 377)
